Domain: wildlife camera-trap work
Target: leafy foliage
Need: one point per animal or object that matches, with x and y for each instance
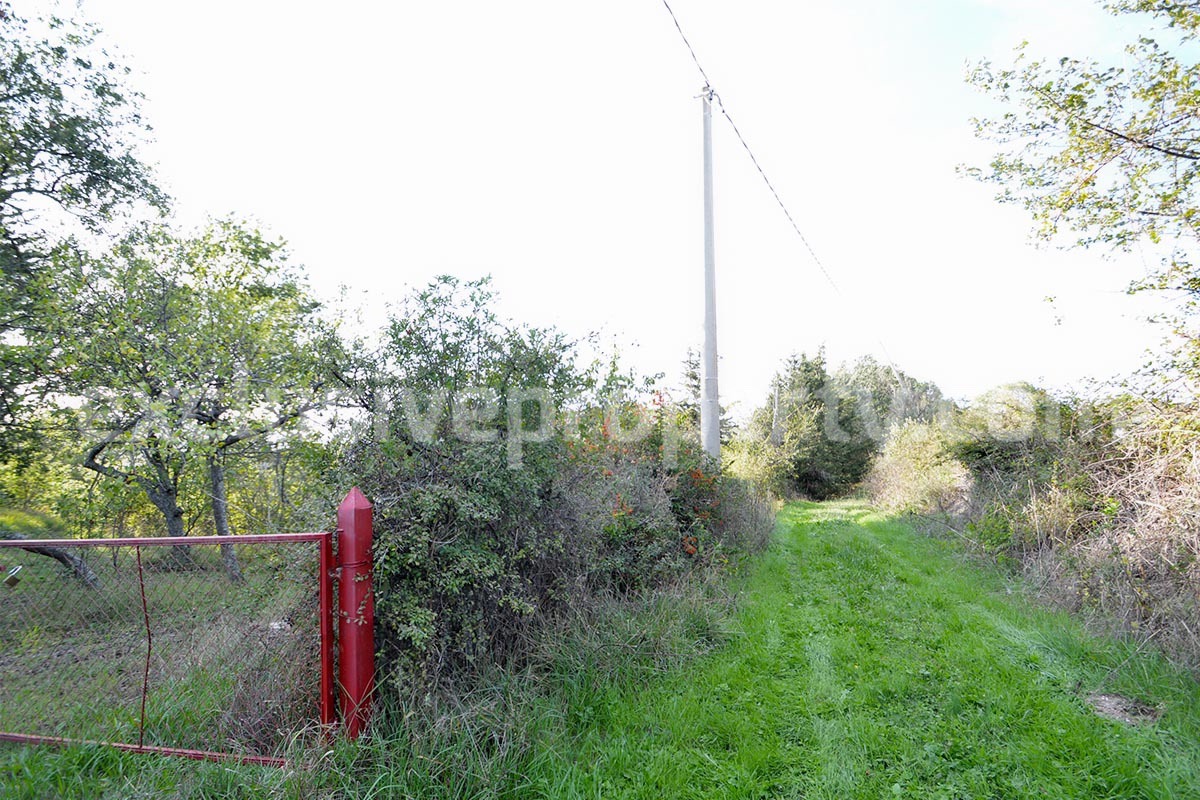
(1110, 152)
(181, 349)
(817, 432)
(485, 532)
(916, 472)
(1007, 467)
(69, 127)
(1094, 500)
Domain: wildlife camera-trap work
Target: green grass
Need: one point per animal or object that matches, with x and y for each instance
(864, 661)
(876, 663)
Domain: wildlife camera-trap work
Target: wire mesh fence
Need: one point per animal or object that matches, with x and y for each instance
(209, 646)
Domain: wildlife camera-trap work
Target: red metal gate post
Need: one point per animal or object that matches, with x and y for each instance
(356, 628)
(325, 568)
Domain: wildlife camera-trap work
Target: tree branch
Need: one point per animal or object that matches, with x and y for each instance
(279, 422)
(71, 561)
(90, 458)
(1124, 137)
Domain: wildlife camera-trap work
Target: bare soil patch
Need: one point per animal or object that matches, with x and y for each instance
(1123, 709)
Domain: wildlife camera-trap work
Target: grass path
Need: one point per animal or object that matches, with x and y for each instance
(873, 663)
(866, 661)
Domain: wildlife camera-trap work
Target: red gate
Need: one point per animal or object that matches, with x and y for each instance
(210, 647)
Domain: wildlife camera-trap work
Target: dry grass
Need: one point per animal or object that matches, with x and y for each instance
(1108, 526)
(1140, 563)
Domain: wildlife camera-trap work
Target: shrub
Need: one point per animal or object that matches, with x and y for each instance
(471, 554)
(916, 473)
(481, 538)
(1096, 502)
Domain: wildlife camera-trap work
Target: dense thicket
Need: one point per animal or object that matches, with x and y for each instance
(511, 485)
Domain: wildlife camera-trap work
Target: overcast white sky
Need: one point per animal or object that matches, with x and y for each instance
(556, 146)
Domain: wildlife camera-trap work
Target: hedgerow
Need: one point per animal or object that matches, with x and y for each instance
(485, 531)
(1095, 502)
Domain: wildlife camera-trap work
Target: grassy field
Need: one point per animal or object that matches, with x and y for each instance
(221, 659)
(864, 661)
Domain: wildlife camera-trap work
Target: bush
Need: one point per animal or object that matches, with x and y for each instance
(916, 473)
(471, 554)
(482, 538)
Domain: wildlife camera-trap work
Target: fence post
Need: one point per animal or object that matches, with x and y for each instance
(356, 628)
(328, 703)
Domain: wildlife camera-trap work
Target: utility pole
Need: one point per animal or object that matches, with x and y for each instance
(710, 407)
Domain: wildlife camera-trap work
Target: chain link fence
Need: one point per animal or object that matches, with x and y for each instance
(201, 646)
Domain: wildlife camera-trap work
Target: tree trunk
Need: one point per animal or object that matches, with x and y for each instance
(281, 472)
(162, 489)
(220, 512)
(166, 500)
(69, 560)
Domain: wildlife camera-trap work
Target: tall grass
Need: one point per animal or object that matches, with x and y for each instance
(488, 738)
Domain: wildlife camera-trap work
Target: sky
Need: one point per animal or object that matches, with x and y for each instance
(556, 146)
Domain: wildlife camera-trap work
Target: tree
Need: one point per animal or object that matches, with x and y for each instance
(265, 352)
(818, 431)
(689, 405)
(1110, 153)
(184, 349)
(806, 431)
(69, 127)
(442, 349)
(887, 397)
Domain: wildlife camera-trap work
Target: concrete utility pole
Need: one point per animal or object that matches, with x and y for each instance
(710, 407)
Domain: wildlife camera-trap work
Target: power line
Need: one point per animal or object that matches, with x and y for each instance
(683, 36)
(725, 112)
(816, 259)
(783, 207)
